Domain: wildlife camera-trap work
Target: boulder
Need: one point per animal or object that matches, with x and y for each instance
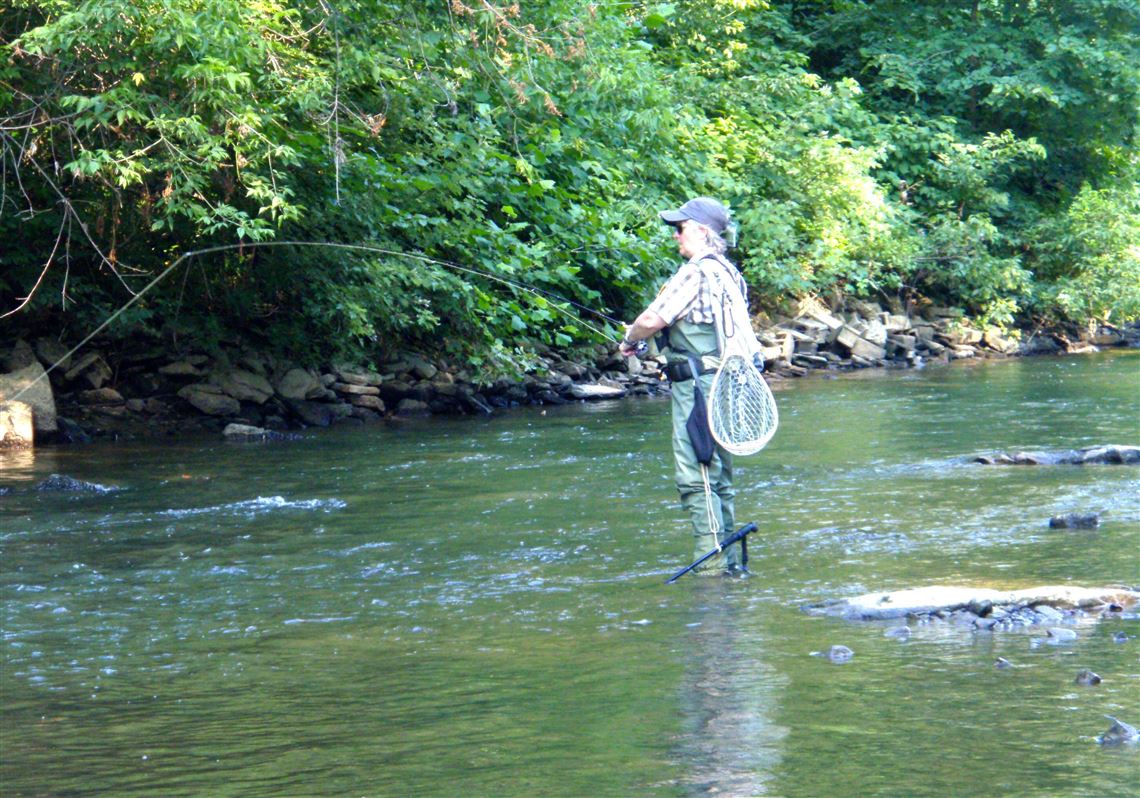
(92, 367)
(355, 376)
(209, 399)
(100, 396)
(34, 389)
(412, 407)
(1075, 521)
(594, 391)
(17, 430)
(52, 353)
(1089, 455)
(999, 343)
(373, 403)
(19, 357)
(180, 368)
(298, 385)
(928, 600)
(321, 414)
(61, 482)
(422, 369)
(858, 346)
(353, 389)
(245, 386)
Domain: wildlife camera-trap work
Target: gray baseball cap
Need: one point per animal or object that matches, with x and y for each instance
(702, 210)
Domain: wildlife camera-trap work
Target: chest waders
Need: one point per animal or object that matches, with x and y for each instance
(706, 490)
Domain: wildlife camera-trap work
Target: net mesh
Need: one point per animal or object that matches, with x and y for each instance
(742, 410)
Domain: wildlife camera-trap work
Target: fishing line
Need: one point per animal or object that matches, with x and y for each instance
(540, 292)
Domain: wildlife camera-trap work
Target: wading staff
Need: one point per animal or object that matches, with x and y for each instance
(740, 534)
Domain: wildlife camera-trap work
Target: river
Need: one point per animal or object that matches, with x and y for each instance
(476, 607)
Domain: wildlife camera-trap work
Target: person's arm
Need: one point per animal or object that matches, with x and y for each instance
(644, 326)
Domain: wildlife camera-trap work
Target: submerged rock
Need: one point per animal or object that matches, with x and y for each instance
(1087, 678)
(246, 432)
(1108, 454)
(1075, 521)
(926, 601)
(59, 482)
(836, 654)
(1119, 733)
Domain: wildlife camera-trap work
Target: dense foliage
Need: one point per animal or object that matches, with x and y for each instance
(975, 153)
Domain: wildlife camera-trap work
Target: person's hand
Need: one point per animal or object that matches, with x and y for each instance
(627, 347)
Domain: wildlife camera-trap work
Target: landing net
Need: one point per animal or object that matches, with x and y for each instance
(742, 410)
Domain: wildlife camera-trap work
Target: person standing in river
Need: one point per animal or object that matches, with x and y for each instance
(684, 310)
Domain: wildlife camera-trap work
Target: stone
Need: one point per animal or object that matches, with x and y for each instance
(298, 384)
(17, 429)
(837, 654)
(321, 414)
(100, 396)
(209, 399)
(422, 369)
(947, 598)
(412, 407)
(245, 386)
(858, 346)
(356, 377)
(33, 388)
(902, 343)
(19, 357)
(895, 323)
(588, 391)
(373, 403)
(1058, 635)
(60, 482)
(352, 389)
(825, 318)
(91, 367)
(248, 432)
(999, 343)
(961, 352)
(180, 368)
(900, 633)
(875, 332)
(1119, 733)
(365, 415)
(1075, 521)
(52, 353)
(1087, 678)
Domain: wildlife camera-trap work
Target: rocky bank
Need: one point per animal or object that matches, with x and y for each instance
(100, 391)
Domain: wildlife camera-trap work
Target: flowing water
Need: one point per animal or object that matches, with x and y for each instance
(477, 608)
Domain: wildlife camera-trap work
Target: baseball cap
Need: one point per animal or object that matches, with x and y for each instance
(702, 210)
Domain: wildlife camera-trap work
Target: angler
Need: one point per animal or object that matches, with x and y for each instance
(686, 309)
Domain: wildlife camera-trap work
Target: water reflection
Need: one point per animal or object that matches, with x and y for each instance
(730, 744)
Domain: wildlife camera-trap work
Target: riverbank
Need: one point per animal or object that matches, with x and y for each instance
(149, 392)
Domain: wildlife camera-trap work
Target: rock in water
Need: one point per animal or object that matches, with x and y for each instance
(836, 654)
(1087, 678)
(1001, 663)
(1119, 733)
(1075, 521)
(59, 482)
(899, 633)
(1057, 636)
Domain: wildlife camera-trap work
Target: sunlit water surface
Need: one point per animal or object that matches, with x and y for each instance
(476, 607)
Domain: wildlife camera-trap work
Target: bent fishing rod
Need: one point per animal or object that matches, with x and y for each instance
(543, 293)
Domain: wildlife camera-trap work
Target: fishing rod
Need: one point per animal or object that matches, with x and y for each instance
(515, 284)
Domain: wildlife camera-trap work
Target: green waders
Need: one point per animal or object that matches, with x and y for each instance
(714, 505)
